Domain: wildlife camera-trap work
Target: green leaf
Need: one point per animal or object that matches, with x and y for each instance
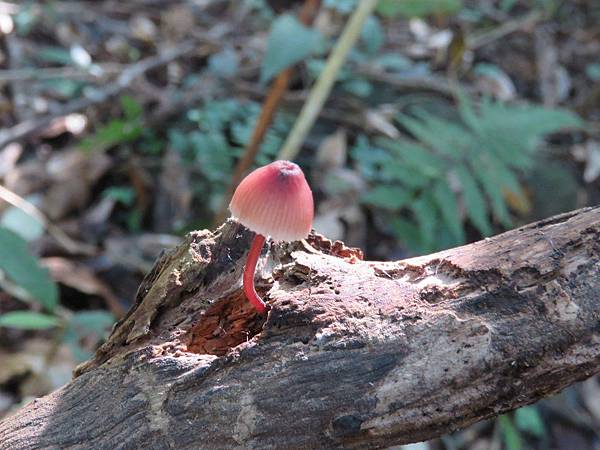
(57, 55)
(22, 268)
(28, 320)
(408, 233)
(593, 71)
(426, 213)
(510, 435)
(399, 171)
(26, 226)
(63, 87)
(359, 87)
(544, 179)
(393, 62)
(446, 202)
(417, 8)
(82, 326)
(224, 63)
(415, 156)
(528, 419)
(445, 137)
(474, 202)
(520, 128)
(26, 18)
(115, 132)
(388, 197)
(288, 43)
(507, 5)
(121, 194)
(341, 6)
(372, 35)
(131, 108)
(213, 155)
(97, 322)
(493, 190)
(467, 112)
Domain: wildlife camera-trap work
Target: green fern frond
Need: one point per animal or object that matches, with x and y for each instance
(487, 148)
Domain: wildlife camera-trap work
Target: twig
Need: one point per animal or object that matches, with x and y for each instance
(34, 125)
(96, 72)
(30, 209)
(323, 86)
(352, 118)
(278, 88)
(485, 38)
(19, 97)
(431, 83)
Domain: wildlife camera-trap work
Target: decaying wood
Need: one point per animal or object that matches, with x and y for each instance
(353, 354)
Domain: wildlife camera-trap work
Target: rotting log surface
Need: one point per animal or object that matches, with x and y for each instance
(353, 354)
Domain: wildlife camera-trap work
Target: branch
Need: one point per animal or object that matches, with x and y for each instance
(353, 354)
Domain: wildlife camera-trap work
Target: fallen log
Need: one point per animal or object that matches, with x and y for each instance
(352, 354)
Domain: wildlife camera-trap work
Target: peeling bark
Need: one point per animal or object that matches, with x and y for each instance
(353, 354)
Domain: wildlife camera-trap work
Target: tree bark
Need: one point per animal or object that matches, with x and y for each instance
(352, 354)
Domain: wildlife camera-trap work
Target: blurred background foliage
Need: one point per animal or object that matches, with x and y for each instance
(123, 122)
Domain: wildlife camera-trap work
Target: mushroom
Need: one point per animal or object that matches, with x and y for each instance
(273, 201)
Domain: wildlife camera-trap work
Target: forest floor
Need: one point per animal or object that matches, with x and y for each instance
(121, 124)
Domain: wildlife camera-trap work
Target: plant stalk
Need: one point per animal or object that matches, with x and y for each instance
(322, 87)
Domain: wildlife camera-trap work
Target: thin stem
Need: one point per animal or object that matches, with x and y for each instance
(322, 87)
(253, 254)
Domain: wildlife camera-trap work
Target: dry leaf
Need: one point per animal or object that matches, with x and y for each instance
(329, 224)
(32, 361)
(554, 80)
(27, 177)
(381, 120)
(72, 175)
(178, 22)
(46, 375)
(9, 157)
(494, 81)
(143, 28)
(173, 198)
(71, 123)
(333, 151)
(138, 253)
(81, 278)
(588, 153)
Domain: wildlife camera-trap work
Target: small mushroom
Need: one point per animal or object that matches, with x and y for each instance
(273, 201)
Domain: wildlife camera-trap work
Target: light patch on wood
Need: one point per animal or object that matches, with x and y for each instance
(433, 277)
(565, 309)
(247, 419)
(155, 395)
(450, 348)
(572, 265)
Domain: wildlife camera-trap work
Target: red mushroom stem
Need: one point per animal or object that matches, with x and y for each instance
(253, 254)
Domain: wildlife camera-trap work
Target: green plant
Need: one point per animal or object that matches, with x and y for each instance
(126, 129)
(523, 421)
(452, 171)
(22, 274)
(221, 130)
(23, 277)
(289, 42)
(417, 8)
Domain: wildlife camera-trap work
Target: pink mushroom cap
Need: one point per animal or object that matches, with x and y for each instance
(275, 200)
